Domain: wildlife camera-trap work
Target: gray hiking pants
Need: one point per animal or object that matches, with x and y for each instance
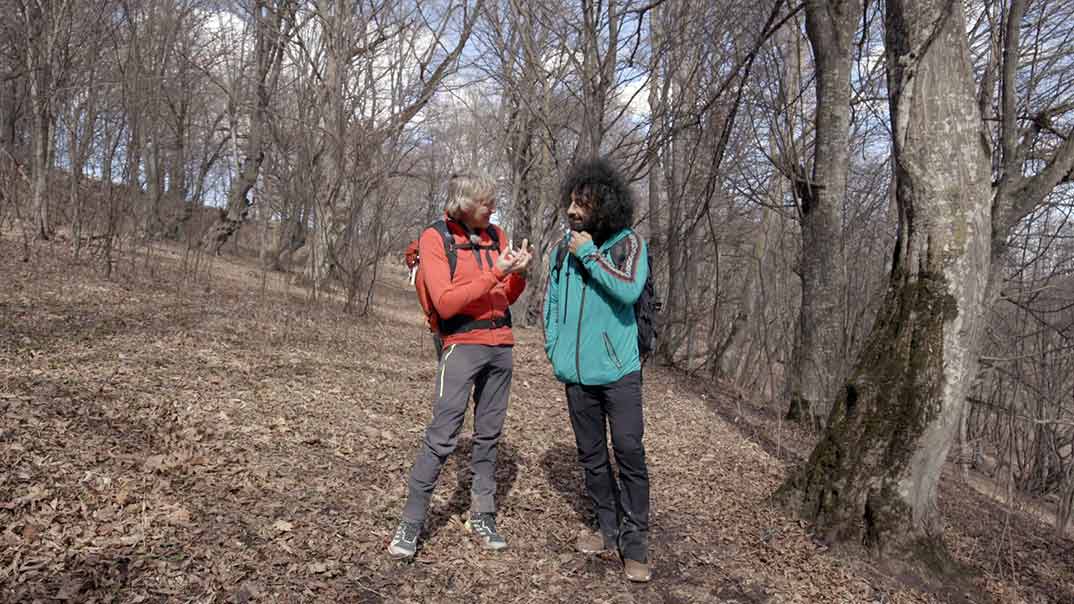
(486, 369)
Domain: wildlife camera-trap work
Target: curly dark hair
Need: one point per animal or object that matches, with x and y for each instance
(605, 190)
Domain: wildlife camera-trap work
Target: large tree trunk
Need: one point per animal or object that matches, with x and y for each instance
(873, 476)
(818, 362)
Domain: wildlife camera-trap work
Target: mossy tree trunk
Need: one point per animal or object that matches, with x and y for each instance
(873, 476)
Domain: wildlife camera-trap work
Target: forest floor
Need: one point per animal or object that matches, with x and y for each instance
(227, 439)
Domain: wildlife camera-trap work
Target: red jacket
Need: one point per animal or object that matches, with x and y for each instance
(479, 291)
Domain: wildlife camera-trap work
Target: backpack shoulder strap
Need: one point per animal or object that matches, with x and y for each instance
(559, 255)
(449, 244)
(494, 234)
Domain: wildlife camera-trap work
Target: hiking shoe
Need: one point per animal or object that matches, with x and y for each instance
(405, 541)
(638, 572)
(483, 525)
(592, 542)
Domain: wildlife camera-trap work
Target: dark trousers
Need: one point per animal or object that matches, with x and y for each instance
(487, 371)
(622, 507)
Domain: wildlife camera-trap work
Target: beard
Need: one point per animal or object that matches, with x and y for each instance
(579, 225)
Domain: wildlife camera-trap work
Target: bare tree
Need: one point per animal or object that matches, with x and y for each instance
(47, 26)
(273, 23)
(526, 57)
(874, 474)
(818, 360)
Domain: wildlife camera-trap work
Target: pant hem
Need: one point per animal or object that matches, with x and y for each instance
(483, 505)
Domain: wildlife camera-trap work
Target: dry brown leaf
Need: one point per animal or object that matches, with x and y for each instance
(179, 516)
(265, 446)
(154, 463)
(70, 589)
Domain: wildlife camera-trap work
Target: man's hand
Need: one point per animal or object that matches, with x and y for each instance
(578, 239)
(523, 256)
(520, 257)
(515, 260)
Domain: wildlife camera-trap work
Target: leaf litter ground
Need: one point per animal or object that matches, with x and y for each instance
(165, 441)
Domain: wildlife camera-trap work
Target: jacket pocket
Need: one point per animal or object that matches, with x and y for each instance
(611, 350)
(550, 348)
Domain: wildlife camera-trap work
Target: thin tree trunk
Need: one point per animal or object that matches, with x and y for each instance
(39, 54)
(42, 134)
(817, 364)
(79, 145)
(658, 122)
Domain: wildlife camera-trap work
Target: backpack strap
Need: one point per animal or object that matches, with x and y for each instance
(559, 255)
(463, 323)
(451, 247)
(494, 235)
(449, 244)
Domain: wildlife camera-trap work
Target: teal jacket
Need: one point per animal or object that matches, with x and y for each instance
(591, 334)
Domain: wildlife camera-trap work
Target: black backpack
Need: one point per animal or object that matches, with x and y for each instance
(647, 305)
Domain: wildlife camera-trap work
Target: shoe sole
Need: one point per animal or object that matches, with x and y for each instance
(648, 576)
(590, 551)
(399, 554)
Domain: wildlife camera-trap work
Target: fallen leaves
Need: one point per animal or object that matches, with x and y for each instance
(168, 446)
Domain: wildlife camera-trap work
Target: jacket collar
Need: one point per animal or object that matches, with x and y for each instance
(459, 228)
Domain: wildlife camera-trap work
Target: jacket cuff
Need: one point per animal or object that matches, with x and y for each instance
(586, 249)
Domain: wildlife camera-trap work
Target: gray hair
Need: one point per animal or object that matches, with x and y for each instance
(466, 187)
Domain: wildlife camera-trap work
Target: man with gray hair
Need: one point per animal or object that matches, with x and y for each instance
(468, 277)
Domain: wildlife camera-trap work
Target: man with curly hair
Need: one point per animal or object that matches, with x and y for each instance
(597, 274)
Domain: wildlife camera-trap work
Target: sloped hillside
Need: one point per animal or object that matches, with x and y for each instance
(229, 440)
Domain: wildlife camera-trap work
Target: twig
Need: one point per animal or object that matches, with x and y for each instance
(363, 587)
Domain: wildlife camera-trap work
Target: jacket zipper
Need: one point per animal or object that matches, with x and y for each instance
(578, 340)
(488, 295)
(567, 293)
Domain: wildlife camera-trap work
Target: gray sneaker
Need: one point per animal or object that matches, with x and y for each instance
(483, 527)
(405, 541)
